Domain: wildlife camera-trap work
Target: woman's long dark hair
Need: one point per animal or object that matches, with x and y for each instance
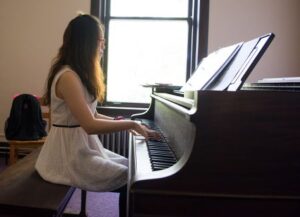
(80, 52)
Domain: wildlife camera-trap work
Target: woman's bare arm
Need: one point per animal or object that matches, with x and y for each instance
(69, 88)
(101, 116)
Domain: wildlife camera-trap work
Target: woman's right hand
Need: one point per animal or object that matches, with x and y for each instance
(145, 131)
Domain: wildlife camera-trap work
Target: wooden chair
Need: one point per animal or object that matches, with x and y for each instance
(17, 147)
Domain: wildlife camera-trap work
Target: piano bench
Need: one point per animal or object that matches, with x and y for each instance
(24, 193)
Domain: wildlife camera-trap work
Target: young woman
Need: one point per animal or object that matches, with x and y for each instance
(73, 154)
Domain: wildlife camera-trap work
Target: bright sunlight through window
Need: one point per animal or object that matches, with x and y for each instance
(147, 43)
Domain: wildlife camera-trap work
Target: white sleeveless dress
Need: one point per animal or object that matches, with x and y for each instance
(72, 157)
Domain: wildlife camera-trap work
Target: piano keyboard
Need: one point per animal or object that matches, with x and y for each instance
(160, 153)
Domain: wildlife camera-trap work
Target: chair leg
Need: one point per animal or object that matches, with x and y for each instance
(83, 204)
(12, 154)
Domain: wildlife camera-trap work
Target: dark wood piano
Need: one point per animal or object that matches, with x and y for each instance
(236, 154)
(224, 152)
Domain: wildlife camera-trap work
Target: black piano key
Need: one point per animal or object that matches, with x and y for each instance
(159, 148)
(151, 147)
(160, 166)
(162, 156)
(165, 161)
(166, 164)
(160, 153)
(157, 166)
(167, 151)
(158, 144)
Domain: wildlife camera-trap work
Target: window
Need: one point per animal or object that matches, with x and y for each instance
(150, 41)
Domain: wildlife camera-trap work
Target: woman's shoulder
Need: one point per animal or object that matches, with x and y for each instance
(67, 73)
(67, 70)
(69, 76)
(68, 83)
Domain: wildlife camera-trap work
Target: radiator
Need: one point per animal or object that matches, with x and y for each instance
(116, 142)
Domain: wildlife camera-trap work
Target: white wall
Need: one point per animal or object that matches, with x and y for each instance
(31, 33)
(233, 21)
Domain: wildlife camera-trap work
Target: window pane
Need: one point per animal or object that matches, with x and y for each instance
(144, 52)
(149, 8)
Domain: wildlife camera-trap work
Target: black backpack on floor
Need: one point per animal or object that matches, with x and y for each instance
(25, 121)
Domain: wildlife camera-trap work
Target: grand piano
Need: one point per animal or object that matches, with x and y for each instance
(223, 153)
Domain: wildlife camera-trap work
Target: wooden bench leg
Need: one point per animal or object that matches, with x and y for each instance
(82, 212)
(12, 154)
(83, 204)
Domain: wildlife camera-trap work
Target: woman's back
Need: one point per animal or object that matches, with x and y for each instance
(70, 156)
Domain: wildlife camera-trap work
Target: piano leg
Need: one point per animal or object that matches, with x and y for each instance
(122, 200)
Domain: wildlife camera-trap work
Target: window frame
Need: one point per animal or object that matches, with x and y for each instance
(198, 20)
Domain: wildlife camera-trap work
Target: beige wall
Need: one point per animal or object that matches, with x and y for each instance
(31, 32)
(232, 21)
